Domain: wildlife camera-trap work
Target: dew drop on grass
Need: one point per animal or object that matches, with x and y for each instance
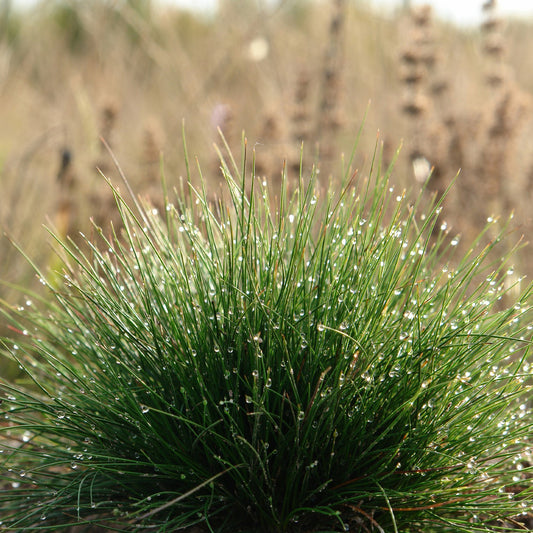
(301, 415)
(144, 409)
(395, 372)
(366, 376)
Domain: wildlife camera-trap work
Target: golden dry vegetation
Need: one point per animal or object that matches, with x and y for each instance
(132, 73)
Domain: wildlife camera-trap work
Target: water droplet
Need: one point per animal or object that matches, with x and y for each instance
(144, 409)
(301, 415)
(366, 376)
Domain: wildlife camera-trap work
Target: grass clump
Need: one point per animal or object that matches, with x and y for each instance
(241, 367)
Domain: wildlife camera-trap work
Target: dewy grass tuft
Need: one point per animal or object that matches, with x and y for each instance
(318, 362)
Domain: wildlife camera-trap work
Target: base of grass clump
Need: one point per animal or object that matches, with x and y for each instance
(303, 364)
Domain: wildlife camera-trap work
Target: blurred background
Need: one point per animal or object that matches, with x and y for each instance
(451, 82)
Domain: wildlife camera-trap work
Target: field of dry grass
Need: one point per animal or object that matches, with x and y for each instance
(73, 72)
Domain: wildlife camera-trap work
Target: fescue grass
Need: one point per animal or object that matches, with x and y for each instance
(312, 362)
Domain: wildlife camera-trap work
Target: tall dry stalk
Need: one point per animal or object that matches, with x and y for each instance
(66, 208)
(151, 152)
(270, 151)
(329, 118)
(101, 199)
(415, 62)
(301, 118)
(447, 139)
(507, 114)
